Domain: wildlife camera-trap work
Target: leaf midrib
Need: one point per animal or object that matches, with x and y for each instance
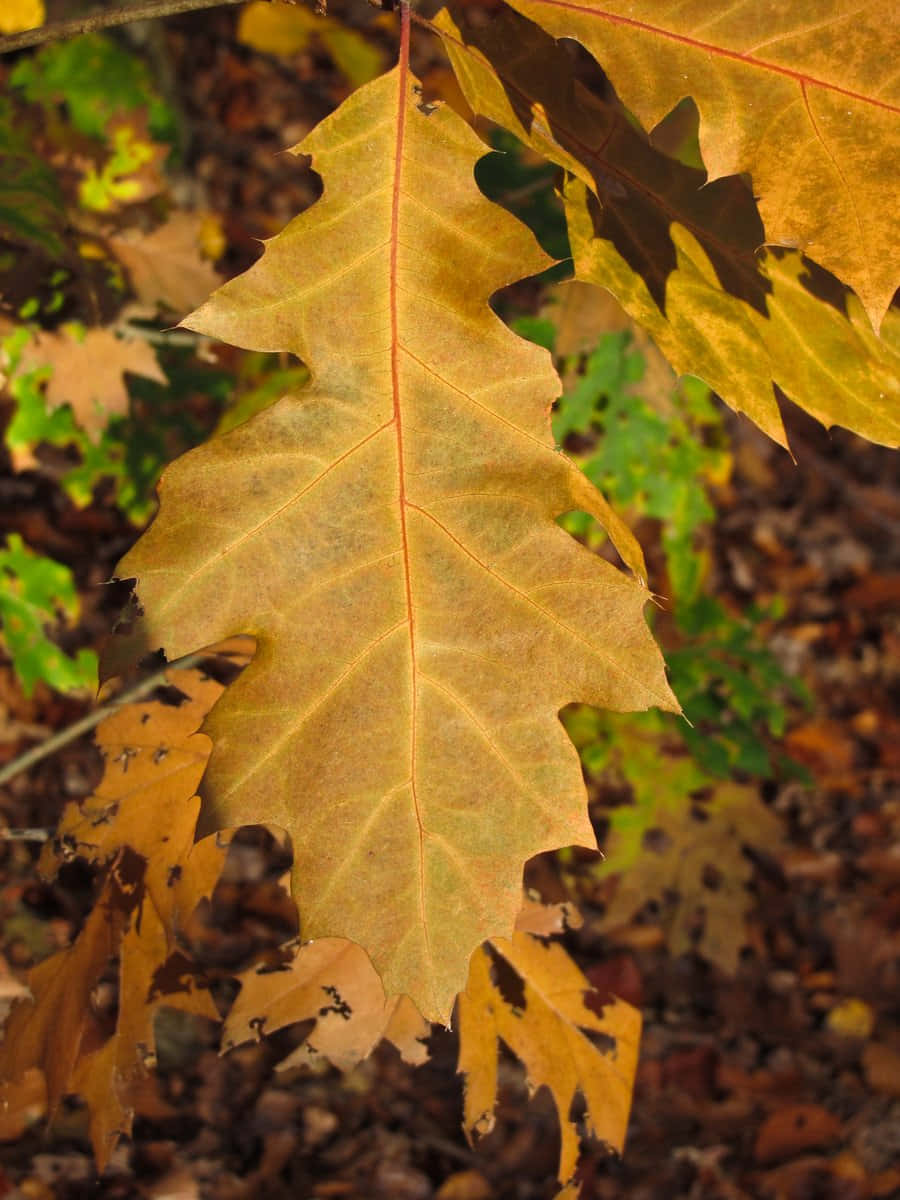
(721, 52)
(393, 288)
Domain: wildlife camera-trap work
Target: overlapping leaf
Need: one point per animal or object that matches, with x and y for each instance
(331, 982)
(684, 259)
(67, 1035)
(804, 97)
(827, 360)
(388, 537)
(531, 996)
(141, 822)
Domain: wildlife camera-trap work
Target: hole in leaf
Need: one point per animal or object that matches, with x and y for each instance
(506, 979)
(599, 1040)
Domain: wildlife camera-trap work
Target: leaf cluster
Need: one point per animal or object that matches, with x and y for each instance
(387, 531)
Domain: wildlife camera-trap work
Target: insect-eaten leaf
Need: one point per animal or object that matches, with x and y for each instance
(331, 982)
(530, 995)
(89, 1024)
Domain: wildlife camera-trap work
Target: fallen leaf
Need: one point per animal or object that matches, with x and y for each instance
(881, 1065)
(851, 1018)
(797, 1127)
(89, 372)
(166, 267)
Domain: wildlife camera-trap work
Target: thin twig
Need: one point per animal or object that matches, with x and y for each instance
(86, 724)
(104, 20)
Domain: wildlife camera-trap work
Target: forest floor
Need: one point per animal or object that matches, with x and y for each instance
(781, 1081)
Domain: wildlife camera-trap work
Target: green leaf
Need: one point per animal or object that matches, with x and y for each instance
(36, 592)
(96, 79)
(31, 206)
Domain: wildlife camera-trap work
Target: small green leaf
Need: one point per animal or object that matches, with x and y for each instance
(36, 593)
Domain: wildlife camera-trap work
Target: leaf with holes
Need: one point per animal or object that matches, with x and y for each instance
(530, 995)
(154, 758)
(88, 1025)
(331, 982)
(685, 855)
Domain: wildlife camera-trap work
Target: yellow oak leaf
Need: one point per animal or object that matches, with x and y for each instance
(388, 536)
(682, 258)
(805, 100)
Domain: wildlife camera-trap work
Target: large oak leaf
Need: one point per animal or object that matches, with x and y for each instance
(388, 536)
(805, 97)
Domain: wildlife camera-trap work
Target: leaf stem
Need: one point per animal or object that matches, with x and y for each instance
(104, 20)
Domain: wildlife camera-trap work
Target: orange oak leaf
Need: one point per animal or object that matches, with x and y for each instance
(530, 995)
(388, 536)
(332, 982)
